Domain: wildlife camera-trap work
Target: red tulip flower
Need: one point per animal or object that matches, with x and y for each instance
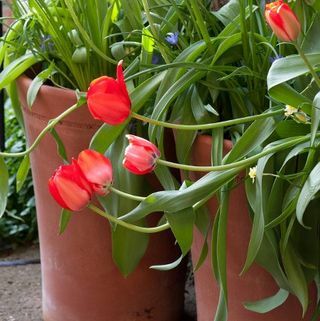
(140, 156)
(282, 21)
(69, 187)
(108, 99)
(97, 170)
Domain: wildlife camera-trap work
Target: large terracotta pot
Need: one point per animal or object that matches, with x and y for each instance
(256, 284)
(80, 282)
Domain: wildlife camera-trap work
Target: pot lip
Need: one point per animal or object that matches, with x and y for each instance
(42, 115)
(26, 80)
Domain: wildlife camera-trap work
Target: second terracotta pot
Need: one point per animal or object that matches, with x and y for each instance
(256, 284)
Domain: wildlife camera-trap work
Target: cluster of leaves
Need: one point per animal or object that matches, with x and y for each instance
(18, 224)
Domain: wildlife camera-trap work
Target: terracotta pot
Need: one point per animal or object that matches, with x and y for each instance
(80, 282)
(256, 284)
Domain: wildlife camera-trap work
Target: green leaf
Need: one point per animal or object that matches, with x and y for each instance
(285, 69)
(311, 42)
(60, 146)
(169, 266)
(227, 13)
(221, 246)
(22, 172)
(268, 304)
(181, 224)
(37, 82)
(289, 128)
(65, 217)
(308, 191)
(315, 118)
(252, 138)
(4, 186)
(105, 136)
(222, 308)
(128, 247)
(258, 225)
(225, 45)
(296, 277)
(285, 94)
(17, 68)
(173, 200)
(203, 255)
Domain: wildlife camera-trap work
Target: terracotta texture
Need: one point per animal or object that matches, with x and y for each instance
(80, 282)
(256, 284)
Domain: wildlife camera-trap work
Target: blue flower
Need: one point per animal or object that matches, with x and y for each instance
(172, 38)
(272, 59)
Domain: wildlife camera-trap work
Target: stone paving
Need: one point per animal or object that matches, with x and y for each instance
(20, 289)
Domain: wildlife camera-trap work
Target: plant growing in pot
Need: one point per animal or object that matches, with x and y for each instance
(65, 45)
(280, 151)
(211, 59)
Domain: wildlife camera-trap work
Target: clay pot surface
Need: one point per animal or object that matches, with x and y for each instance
(256, 284)
(80, 282)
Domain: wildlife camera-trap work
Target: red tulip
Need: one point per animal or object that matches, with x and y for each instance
(282, 21)
(140, 156)
(108, 99)
(97, 169)
(69, 188)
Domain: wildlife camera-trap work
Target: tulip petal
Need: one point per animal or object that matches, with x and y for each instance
(55, 193)
(73, 195)
(138, 141)
(97, 169)
(109, 108)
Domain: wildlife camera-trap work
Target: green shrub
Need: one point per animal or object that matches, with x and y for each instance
(18, 225)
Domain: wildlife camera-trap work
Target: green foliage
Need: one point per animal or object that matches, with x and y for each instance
(18, 224)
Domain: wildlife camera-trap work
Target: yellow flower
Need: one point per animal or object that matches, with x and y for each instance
(253, 173)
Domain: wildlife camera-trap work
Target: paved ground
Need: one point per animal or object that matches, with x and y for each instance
(20, 292)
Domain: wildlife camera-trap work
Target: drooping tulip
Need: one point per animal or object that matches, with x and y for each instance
(69, 187)
(97, 169)
(140, 155)
(282, 20)
(108, 99)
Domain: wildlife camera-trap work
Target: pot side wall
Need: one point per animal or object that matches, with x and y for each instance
(256, 284)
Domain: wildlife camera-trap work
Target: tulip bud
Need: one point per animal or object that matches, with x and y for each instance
(140, 156)
(282, 21)
(108, 99)
(69, 188)
(97, 170)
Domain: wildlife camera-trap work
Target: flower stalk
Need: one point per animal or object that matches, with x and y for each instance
(225, 123)
(132, 227)
(51, 124)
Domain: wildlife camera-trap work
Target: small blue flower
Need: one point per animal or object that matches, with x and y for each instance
(272, 59)
(172, 38)
(156, 58)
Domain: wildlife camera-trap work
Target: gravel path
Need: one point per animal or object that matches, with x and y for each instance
(20, 293)
(20, 289)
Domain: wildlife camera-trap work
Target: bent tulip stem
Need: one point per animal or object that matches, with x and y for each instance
(308, 64)
(243, 163)
(207, 126)
(126, 195)
(51, 124)
(132, 227)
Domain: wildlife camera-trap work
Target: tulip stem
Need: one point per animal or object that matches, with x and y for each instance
(51, 124)
(132, 227)
(308, 64)
(242, 163)
(126, 195)
(210, 125)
